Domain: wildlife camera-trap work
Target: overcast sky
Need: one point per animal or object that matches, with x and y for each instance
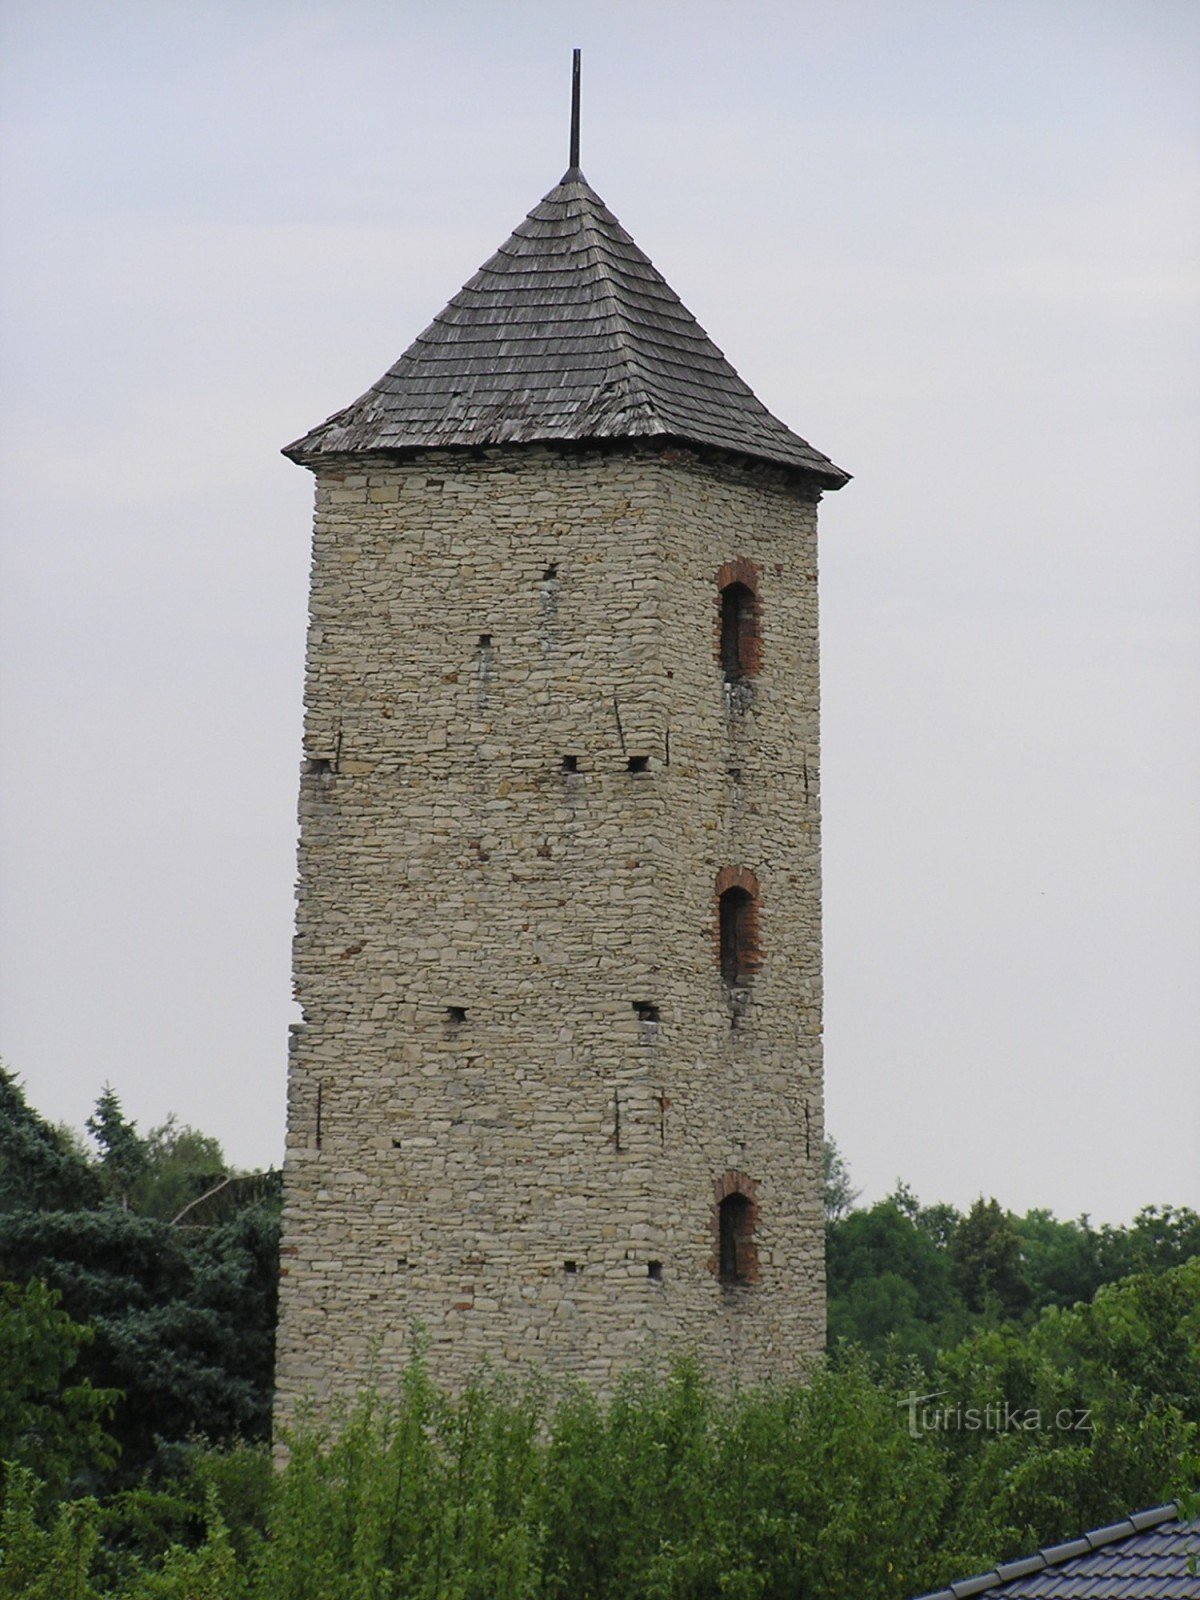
(953, 245)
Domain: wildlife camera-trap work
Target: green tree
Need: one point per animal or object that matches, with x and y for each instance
(1141, 1333)
(1090, 1413)
(45, 1559)
(938, 1222)
(988, 1267)
(1161, 1237)
(1061, 1259)
(184, 1319)
(182, 1165)
(40, 1168)
(49, 1423)
(673, 1487)
(840, 1194)
(890, 1282)
(123, 1154)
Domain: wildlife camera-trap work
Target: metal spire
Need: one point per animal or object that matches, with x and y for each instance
(574, 163)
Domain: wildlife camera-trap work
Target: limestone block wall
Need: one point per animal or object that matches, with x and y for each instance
(522, 1087)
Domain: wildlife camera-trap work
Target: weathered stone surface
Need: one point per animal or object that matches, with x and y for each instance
(518, 1051)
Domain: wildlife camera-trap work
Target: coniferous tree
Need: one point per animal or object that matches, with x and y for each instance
(181, 1319)
(123, 1155)
(40, 1167)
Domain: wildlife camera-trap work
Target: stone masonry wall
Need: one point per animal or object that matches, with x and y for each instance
(521, 1088)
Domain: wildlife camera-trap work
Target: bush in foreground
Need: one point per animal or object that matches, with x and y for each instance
(673, 1487)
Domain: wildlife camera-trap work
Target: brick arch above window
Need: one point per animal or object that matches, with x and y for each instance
(739, 570)
(735, 1181)
(738, 878)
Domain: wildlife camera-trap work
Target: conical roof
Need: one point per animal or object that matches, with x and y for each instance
(567, 333)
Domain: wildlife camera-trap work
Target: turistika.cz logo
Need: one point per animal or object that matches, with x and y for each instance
(1001, 1416)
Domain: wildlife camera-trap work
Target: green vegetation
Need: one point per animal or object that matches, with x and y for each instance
(48, 1420)
(175, 1319)
(994, 1383)
(911, 1280)
(844, 1485)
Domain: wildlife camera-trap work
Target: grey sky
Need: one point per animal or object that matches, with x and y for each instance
(952, 245)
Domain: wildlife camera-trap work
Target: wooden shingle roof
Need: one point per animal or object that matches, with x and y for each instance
(567, 333)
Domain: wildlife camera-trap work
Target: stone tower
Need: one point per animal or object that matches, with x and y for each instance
(557, 1092)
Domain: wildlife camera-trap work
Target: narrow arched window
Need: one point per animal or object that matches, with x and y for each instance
(735, 1239)
(737, 935)
(739, 646)
(737, 948)
(737, 631)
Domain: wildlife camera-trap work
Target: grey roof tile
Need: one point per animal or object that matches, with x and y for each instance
(568, 332)
(1144, 1557)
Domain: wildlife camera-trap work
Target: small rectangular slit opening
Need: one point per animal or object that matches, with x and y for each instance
(570, 763)
(456, 1014)
(654, 1270)
(646, 1010)
(570, 1267)
(638, 764)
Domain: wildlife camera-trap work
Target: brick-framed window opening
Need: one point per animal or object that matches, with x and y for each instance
(739, 644)
(735, 1221)
(735, 1238)
(737, 630)
(738, 952)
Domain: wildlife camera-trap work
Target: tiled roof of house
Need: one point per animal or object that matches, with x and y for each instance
(567, 333)
(1151, 1555)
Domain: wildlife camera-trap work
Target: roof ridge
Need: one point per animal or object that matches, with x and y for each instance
(598, 242)
(610, 255)
(611, 259)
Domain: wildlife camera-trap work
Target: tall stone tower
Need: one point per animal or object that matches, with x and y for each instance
(557, 1092)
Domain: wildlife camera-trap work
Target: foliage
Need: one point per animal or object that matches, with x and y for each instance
(40, 1167)
(49, 1561)
(985, 1250)
(160, 1175)
(1062, 1259)
(840, 1194)
(1160, 1238)
(1095, 1412)
(182, 1318)
(48, 1424)
(182, 1165)
(1143, 1333)
(891, 1282)
(671, 1488)
(674, 1486)
(183, 1322)
(123, 1155)
(916, 1279)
